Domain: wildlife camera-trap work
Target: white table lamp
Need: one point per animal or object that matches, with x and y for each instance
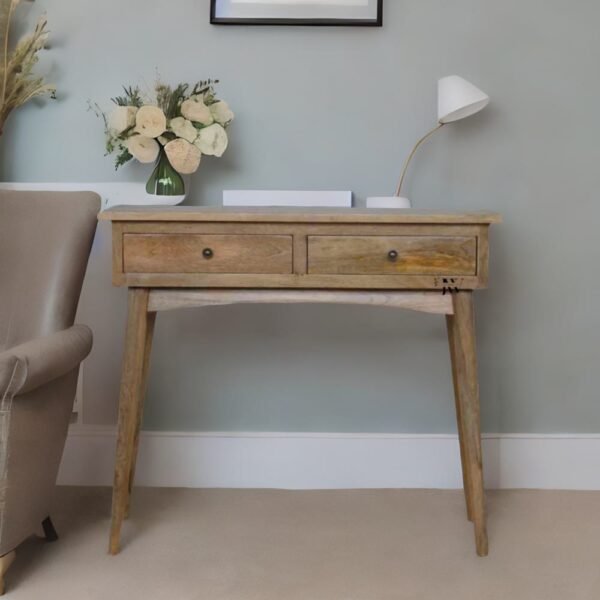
(457, 99)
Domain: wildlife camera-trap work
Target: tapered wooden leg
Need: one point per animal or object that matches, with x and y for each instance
(462, 334)
(147, 353)
(5, 562)
(130, 405)
(461, 434)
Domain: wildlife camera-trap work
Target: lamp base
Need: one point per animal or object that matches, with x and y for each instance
(388, 202)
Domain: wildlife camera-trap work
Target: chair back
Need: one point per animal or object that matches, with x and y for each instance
(45, 242)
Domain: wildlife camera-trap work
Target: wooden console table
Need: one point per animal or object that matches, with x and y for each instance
(195, 256)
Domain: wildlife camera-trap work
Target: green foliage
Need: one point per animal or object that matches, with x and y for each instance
(113, 142)
(163, 95)
(123, 157)
(170, 100)
(169, 136)
(132, 97)
(207, 89)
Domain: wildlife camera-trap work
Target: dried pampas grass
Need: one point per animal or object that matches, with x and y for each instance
(18, 83)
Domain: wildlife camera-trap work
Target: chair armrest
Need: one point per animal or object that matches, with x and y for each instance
(32, 364)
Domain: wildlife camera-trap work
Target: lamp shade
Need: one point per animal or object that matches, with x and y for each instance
(457, 99)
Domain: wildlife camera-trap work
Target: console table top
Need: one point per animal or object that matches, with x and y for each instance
(296, 215)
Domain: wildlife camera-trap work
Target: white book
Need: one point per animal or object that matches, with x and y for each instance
(286, 198)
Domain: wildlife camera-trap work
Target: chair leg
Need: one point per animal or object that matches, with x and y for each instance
(49, 531)
(5, 562)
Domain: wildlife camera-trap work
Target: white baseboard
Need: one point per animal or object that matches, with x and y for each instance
(333, 461)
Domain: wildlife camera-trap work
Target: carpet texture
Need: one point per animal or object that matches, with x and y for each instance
(324, 545)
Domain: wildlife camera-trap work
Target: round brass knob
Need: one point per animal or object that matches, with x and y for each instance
(393, 255)
(207, 253)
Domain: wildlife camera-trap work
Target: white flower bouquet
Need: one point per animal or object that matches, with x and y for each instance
(173, 129)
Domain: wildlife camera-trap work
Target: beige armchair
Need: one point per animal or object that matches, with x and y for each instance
(45, 242)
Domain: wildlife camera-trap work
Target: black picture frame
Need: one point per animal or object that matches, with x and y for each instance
(377, 22)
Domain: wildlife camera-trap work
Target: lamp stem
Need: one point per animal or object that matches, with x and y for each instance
(416, 147)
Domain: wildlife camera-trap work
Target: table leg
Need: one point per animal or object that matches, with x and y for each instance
(462, 339)
(461, 434)
(140, 406)
(137, 345)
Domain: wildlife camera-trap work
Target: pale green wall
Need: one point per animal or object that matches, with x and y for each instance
(339, 109)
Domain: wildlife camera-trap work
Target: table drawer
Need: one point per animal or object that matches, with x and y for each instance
(207, 253)
(392, 255)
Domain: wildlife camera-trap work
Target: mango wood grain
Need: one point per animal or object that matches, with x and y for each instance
(459, 421)
(117, 252)
(428, 302)
(300, 233)
(462, 339)
(319, 282)
(176, 253)
(140, 405)
(294, 215)
(483, 256)
(137, 343)
(300, 253)
(294, 256)
(268, 228)
(370, 255)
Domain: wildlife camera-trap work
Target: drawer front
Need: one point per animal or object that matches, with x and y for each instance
(210, 253)
(392, 255)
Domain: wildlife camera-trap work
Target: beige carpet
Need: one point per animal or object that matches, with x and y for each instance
(340, 545)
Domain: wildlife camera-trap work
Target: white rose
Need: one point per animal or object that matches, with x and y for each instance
(150, 121)
(183, 156)
(212, 140)
(183, 128)
(145, 149)
(194, 109)
(221, 112)
(121, 119)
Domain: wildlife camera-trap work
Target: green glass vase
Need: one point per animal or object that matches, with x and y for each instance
(165, 180)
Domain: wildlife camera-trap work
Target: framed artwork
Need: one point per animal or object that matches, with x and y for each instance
(365, 13)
